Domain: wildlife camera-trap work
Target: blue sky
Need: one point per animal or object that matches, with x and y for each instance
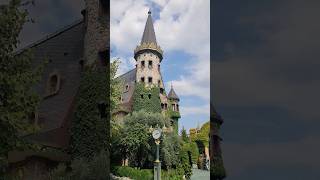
(183, 32)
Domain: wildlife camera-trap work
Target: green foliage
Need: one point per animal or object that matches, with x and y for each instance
(115, 86)
(83, 169)
(135, 139)
(134, 173)
(141, 100)
(217, 169)
(89, 132)
(184, 166)
(18, 101)
(194, 152)
(144, 174)
(168, 150)
(184, 136)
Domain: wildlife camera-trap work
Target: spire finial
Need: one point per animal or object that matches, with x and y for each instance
(149, 12)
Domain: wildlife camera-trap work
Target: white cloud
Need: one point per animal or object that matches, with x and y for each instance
(192, 110)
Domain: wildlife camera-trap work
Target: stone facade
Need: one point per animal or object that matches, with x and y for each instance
(97, 31)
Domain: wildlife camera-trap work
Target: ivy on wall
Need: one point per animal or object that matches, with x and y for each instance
(89, 132)
(146, 98)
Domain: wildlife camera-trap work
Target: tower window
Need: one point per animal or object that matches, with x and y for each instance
(161, 90)
(149, 96)
(127, 87)
(150, 64)
(142, 64)
(162, 106)
(165, 106)
(159, 67)
(142, 79)
(149, 79)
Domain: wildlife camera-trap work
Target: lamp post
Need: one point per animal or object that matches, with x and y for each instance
(156, 134)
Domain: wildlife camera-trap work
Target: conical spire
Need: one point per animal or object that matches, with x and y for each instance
(172, 94)
(148, 41)
(149, 36)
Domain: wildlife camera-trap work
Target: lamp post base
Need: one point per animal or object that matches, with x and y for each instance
(157, 170)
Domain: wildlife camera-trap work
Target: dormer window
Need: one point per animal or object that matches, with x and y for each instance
(150, 64)
(53, 84)
(142, 79)
(149, 80)
(142, 64)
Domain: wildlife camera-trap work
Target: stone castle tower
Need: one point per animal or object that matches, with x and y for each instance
(148, 55)
(96, 18)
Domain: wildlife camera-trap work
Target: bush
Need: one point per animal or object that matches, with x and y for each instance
(83, 169)
(144, 174)
(134, 173)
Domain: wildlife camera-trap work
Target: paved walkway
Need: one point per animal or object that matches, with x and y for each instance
(199, 174)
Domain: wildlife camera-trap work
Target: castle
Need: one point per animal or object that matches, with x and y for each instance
(148, 56)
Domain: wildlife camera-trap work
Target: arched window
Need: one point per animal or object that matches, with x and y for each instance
(142, 79)
(165, 106)
(162, 106)
(149, 80)
(150, 64)
(127, 88)
(142, 64)
(53, 84)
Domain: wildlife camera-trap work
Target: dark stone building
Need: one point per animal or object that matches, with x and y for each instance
(68, 51)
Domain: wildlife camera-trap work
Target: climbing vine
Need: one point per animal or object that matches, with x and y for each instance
(89, 132)
(146, 98)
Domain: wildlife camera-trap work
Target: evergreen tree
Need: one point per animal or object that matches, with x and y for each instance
(184, 135)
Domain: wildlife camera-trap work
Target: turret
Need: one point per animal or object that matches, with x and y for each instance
(174, 99)
(174, 113)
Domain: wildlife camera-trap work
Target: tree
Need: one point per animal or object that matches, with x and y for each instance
(136, 141)
(115, 86)
(18, 100)
(184, 135)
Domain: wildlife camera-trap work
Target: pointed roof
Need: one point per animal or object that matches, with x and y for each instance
(172, 94)
(149, 36)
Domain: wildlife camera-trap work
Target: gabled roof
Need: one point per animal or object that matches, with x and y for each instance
(149, 35)
(172, 94)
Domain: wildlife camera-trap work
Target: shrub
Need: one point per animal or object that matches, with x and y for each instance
(134, 173)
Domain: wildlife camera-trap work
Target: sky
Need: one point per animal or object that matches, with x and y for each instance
(265, 86)
(183, 32)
